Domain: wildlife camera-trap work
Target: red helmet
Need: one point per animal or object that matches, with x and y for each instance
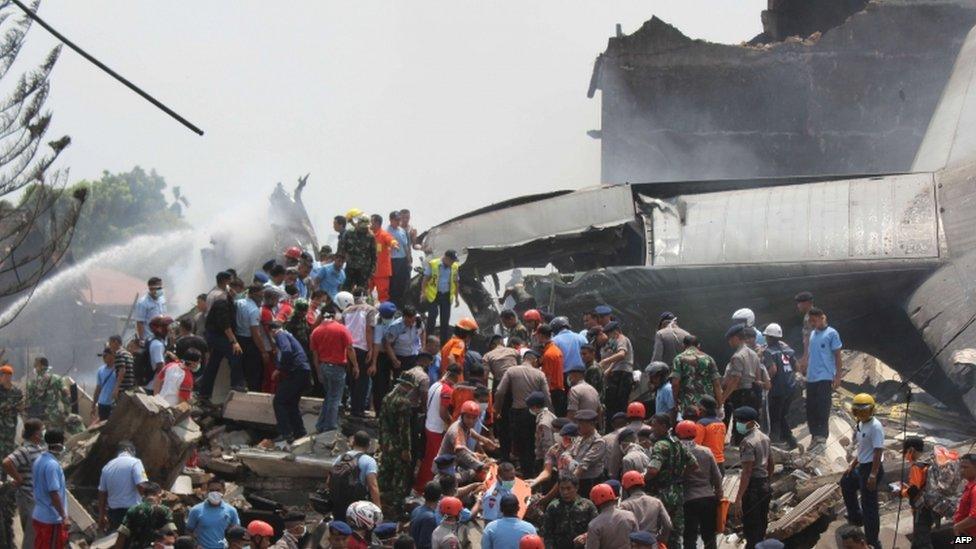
(293, 252)
(532, 314)
(260, 528)
(450, 506)
(636, 410)
(531, 541)
(602, 493)
(468, 323)
(686, 429)
(631, 479)
(470, 408)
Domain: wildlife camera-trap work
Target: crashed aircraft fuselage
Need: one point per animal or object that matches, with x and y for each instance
(890, 257)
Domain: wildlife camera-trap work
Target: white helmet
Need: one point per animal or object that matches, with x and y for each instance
(363, 515)
(745, 314)
(773, 330)
(343, 300)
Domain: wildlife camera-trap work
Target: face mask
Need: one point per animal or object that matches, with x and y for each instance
(215, 498)
(157, 293)
(688, 443)
(533, 412)
(507, 484)
(741, 428)
(193, 366)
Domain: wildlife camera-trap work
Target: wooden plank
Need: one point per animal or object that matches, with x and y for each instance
(805, 513)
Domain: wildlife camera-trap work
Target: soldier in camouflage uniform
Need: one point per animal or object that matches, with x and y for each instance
(143, 520)
(73, 424)
(11, 404)
(359, 247)
(670, 461)
(694, 375)
(396, 465)
(47, 396)
(568, 516)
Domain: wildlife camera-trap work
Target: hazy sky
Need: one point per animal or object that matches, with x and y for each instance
(439, 106)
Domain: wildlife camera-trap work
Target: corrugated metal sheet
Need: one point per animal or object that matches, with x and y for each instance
(887, 217)
(575, 212)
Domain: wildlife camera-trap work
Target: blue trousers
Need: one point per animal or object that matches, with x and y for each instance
(864, 511)
(333, 381)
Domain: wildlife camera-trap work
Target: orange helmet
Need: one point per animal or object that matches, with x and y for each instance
(531, 541)
(532, 314)
(468, 323)
(293, 252)
(636, 410)
(602, 493)
(470, 408)
(631, 479)
(686, 429)
(260, 528)
(450, 506)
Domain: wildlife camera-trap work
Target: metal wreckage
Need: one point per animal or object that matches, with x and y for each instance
(890, 256)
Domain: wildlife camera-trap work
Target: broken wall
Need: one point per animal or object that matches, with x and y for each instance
(856, 100)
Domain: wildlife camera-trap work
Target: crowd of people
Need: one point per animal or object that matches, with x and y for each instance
(534, 432)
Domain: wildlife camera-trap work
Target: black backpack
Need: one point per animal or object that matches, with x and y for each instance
(344, 485)
(142, 367)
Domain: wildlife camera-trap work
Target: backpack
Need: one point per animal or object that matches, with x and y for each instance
(142, 367)
(344, 485)
(943, 482)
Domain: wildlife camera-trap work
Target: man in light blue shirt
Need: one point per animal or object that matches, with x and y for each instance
(150, 305)
(119, 486)
(400, 259)
(569, 343)
(105, 381)
(331, 276)
(823, 371)
(404, 338)
(50, 495)
(506, 532)
(504, 484)
(210, 519)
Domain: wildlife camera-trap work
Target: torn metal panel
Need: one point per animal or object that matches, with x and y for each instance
(595, 207)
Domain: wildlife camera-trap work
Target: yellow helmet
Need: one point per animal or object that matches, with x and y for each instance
(353, 213)
(863, 399)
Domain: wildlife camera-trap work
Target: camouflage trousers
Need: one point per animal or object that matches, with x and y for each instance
(8, 508)
(673, 498)
(395, 476)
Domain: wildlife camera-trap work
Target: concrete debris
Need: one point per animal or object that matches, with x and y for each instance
(256, 409)
(806, 513)
(81, 521)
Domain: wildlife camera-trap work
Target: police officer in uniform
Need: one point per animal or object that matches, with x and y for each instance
(589, 452)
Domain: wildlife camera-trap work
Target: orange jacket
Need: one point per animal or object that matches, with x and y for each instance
(552, 366)
(384, 243)
(714, 439)
(456, 348)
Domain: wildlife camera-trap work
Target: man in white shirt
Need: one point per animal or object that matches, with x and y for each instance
(120, 486)
(865, 473)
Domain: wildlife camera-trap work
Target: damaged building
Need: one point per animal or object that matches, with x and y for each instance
(888, 254)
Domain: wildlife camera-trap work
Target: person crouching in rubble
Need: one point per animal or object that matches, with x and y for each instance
(455, 441)
(174, 383)
(865, 472)
(292, 373)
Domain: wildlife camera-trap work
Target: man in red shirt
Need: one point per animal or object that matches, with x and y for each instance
(332, 354)
(439, 414)
(384, 264)
(552, 366)
(964, 521)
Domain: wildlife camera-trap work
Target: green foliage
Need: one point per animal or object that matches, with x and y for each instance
(121, 206)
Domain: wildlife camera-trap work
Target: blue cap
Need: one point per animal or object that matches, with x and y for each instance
(535, 398)
(261, 277)
(615, 484)
(666, 315)
(585, 415)
(770, 544)
(645, 538)
(385, 530)
(735, 331)
(339, 527)
(387, 309)
(603, 310)
(746, 413)
(444, 459)
(569, 430)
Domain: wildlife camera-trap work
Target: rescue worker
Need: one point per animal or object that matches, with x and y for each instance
(455, 349)
(694, 375)
(742, 384)
(141, 521)
(358, 246)
(611, 528)
(450, 509)
(11, 404)
(670, 462)
(592, 373)
(922, 516)
(439, 288)
(395, 443)
(517, 384)
(589, 452)
(780, 362)
(511, 327)
(635, 420)
(552, 366)
(531, 319)
(618, 365)
(456, 437)
(648, 510)
(669, 339)
(702, 490)
(713, 435)
(544, 438)
(48, 396)
(865, 473)
(568, 516)
(752, 500)
(635, 457)
(555, 465)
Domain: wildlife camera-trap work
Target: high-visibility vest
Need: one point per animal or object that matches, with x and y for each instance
(430, 291)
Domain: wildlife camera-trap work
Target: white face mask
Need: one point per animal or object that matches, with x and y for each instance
(215, 498)
(688, 443)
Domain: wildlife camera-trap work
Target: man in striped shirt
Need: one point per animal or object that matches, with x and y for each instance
(124, 373)
(18, 467)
